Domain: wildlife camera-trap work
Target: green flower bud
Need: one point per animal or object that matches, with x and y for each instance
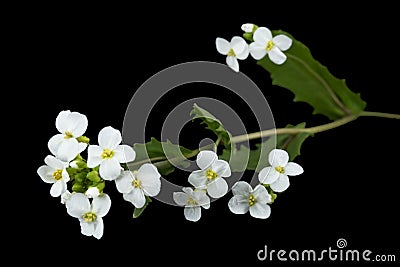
(78, 188)
(83, 139)
(93, 176)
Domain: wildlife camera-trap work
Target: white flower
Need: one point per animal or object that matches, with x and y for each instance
(246, 199)
(277, 174)
(54, 172)
(90, 215)
(247, 27)
(192, 201)
(71, 125)
(92, 192)
(65, 196)
(264, 44)
(236, 49)
(136, 185)
(211, 173)
(109, 154)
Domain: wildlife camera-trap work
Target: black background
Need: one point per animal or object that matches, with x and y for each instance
(91, 59)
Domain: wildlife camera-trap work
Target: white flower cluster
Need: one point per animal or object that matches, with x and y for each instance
(103, 164)
(264, 44)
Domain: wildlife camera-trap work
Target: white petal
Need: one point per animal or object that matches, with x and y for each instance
(262, 35)
(197, 179)
(257, 51)
(188, 191)
(260, 211)
(136, 197)
(109, 137)
(55, 163)
(81, 147)
(77, 205)
(282, 42)
(238, 204)
(94, 156)
(293, 169)
(232, 63)
(238, 44)
(268, 175)
(110, 169)
(58, 188)
(244, 54)
(217, 188)
(281, 184)
(101, 205)
(241, 188)
(192, 213)
(205, 158)
(223, 46)
(124, 182)
(247, 27)
(261, 194)
(278, 157)
(55, 142)
(98, 228)
(61, 121)
(180, 198)
(77, 124)
(222, 168)
(276, 56)
(87, 228)
(150, 179)
(202, 198)
(92, 192)
(46, 173)
(68, 150)
(124, 153)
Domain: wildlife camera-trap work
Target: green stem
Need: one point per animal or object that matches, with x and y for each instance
(380, 114)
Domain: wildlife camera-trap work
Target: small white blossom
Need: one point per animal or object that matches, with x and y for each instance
(135, 186)
(246, 199)
(234, 50)
(277, 174)
(54, 172)
(90, 214)
(109, 153)
(211, 173)
(92, 192)
(71, 125)
(192, 201)
(265, 44)
(247, 27)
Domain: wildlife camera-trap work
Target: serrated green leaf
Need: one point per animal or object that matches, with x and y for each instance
(311, 82)
(245, 158)
(161, 154)
(138, 211)
(212, 123)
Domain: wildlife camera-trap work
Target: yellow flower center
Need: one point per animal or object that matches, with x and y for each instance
(68, 135)
(270, 45)
(89, 216)
(211, 175)
(192, 202)
(57, 174)
(231, 53)
(280, 169)
(107, 154)
(137, 183)
(252, 200)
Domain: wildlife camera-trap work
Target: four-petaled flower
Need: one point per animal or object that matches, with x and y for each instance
(54, 172)
(192, 201)
(277, 174)
(109, 153)
(264, 44)
(236, 49)
(210, 177)
(71, 125)
(246, 199)
(90, 215)
(135, 186)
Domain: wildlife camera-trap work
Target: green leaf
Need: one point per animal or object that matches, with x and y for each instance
(212, 123)
(245, 158)
(161, 154)
(312, 82)
(138, 211)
